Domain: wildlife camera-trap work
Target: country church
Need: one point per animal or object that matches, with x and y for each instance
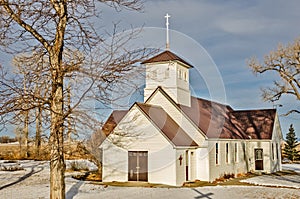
(173, 137)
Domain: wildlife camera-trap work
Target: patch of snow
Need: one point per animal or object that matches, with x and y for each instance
(83, 163)
(10, 143)
(293, 167)
(291, 181)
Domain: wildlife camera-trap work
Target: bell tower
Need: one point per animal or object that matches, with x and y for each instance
(170, 72)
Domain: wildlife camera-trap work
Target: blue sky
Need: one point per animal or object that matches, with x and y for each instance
(230, 31)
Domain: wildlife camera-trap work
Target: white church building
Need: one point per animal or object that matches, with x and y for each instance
(173, 137)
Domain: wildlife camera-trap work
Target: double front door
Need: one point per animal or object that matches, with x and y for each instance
(137, 166)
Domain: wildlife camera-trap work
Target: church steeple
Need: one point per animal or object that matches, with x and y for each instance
(167, 31)
(170, 72)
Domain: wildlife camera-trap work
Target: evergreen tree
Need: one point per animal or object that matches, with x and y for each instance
(290, 150)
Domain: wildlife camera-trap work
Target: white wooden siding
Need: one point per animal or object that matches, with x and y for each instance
(276, 140)
(202, 161)
(175, 83)
(139, 135)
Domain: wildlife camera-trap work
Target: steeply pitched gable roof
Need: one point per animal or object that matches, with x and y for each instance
(166, 56)
(167, 125)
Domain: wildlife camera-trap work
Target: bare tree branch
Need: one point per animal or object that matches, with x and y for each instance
(285, 62)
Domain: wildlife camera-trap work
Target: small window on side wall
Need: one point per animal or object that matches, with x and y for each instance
(227, 152)
(217, 153)
(235, 152)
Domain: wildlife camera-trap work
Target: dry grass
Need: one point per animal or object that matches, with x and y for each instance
(17, 152)
(96, 179)
(89, 176)
(133, 184)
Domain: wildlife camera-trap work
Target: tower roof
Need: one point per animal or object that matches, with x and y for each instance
(166, 56)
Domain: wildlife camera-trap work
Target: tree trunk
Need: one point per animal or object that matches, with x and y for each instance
(26, 132)
(38, 132)
(57, 162)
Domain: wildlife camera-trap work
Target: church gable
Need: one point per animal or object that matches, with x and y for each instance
(277, 133)
(131, 120)
(167, 125)
(160, 98)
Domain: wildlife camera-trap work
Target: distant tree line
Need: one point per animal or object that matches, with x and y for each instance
(7, 139)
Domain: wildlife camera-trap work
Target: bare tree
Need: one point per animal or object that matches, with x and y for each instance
(62, 33)
(285, 62)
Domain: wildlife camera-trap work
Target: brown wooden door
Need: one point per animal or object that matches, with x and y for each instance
(137, 166)
(259, 159)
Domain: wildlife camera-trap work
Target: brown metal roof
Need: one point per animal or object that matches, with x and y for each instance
(213, 119)
(167, 125)
(221, 121)
(114, 118)
(258, 124)
(166, 56)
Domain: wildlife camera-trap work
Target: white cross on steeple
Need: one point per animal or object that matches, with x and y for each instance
(167, 25)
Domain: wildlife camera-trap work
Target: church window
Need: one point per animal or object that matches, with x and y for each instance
(273, 152)
(179, 74)
(185, 76)
(217, 153)
(227, 152)
(235, 152)
(277, 150)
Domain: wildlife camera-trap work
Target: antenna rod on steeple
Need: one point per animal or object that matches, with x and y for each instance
(167, 25)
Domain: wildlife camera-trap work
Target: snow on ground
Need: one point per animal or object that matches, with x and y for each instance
(293, 167)
(292, 181)
(82, 164)
(33, 182)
